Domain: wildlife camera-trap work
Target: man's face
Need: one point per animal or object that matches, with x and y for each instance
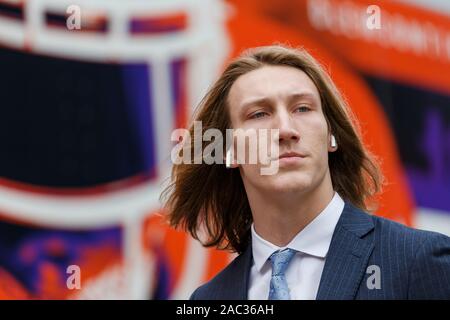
(284, 98)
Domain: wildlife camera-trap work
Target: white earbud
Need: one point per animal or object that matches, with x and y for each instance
(228, 159)
(333, 142)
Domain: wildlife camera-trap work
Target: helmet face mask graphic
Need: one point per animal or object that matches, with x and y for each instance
(86, 128)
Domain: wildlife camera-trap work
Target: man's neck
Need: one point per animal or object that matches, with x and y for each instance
(279, 218)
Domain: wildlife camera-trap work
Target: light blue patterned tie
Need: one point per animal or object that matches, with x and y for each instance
(278, 286)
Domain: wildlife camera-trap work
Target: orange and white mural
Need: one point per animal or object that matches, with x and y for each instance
(86, 117)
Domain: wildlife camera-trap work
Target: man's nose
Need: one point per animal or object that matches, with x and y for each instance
(287, 129)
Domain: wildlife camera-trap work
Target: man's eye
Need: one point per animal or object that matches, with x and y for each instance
(303, 109)
(257, 115)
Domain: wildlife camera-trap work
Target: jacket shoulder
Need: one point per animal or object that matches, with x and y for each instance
(390, 229)
(427, 256)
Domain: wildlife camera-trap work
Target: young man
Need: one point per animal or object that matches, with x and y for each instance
(303, 232)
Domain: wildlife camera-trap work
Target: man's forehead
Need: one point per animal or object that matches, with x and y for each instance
(264, 82)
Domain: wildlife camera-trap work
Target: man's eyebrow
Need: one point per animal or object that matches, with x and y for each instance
(258, 101)
(301, 95)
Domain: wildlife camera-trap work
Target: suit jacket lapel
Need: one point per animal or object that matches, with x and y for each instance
(247, 256)
(347, 256)
(237, 278)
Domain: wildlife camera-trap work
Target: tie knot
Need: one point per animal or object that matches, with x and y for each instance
(280, 260)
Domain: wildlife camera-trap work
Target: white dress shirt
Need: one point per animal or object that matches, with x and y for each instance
(305, 269)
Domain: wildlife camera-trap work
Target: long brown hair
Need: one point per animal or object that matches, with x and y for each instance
(209, 200)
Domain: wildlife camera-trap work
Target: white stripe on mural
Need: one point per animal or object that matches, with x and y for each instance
(433, 220)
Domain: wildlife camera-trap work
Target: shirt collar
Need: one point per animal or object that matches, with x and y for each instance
(313, 240)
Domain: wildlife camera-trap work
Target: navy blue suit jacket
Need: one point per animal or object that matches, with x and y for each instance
(410, 263)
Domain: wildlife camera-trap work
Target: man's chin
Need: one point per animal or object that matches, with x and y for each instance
(288, 185)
